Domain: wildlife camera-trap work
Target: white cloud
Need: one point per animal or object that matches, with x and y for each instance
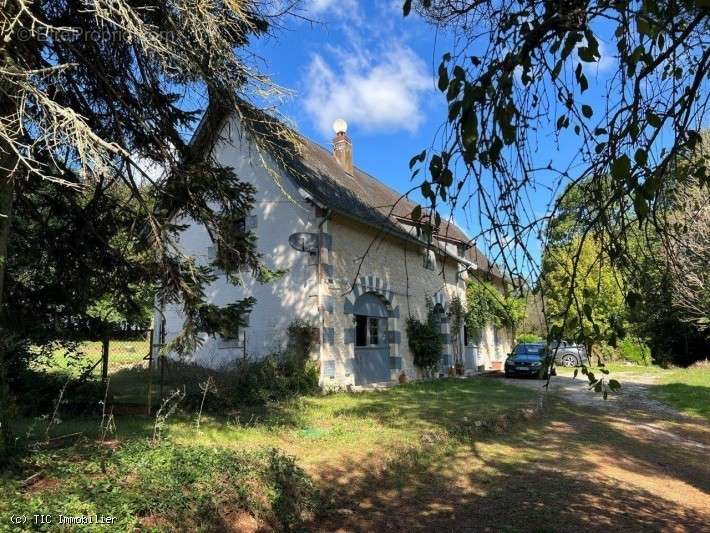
(338, 7)
(373, 92)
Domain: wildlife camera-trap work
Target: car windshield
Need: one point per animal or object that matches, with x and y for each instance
(529, 349)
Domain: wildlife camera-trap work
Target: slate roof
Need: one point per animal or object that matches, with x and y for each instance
(358, 195)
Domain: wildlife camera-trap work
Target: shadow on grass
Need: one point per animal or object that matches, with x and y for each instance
(569, 473)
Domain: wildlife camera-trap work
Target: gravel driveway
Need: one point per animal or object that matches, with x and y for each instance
(631, 404)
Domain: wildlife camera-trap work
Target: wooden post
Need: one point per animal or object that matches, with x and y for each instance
(104, 358)
(150, 372)
(162, 374)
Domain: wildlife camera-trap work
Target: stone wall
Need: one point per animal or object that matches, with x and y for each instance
(360, 260)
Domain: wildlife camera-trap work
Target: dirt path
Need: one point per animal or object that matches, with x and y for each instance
(632, 405)
(632, 396)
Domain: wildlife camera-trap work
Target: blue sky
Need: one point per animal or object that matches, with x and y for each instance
(364, 62)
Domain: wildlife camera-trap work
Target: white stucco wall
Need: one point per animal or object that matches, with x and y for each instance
(396, 268)
(280, 211)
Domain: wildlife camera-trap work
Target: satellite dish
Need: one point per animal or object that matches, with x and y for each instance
(340, 126)
(304, 242)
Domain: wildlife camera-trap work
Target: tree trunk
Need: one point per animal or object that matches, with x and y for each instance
(6, 200)
(7, 164)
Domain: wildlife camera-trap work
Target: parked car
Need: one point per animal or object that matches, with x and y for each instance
(568, 354)
(527, 359)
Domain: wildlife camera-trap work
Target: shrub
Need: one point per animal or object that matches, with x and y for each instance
(41, 390)
(528, 337)
(425, 342)
(276, 377)
(634, 350)
(168, 487)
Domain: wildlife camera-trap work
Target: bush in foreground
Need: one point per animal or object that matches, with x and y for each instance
(164, 487)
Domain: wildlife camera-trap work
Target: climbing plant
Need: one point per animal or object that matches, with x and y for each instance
(486, 305)
(425, 341)
(457, 316)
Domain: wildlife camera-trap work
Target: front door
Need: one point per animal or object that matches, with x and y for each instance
(372, 361)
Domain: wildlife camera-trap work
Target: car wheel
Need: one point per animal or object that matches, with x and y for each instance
(568, 360)
(507, 374)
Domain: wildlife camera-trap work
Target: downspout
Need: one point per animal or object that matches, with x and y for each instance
(319, 280)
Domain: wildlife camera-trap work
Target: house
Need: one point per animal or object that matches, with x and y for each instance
(355, 267)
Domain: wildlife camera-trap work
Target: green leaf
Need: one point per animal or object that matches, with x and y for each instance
(419, 157)
(586, 54)
(570, 41)
(575, 373)
(621, 168)
(443, 77)
(435, 167)
(407, 7)
(417, 213)
(556, 70)
(640, 206)
(653, 119)
(583, 83)
(469, 130)
(614, 385)
(587, 111)
(640, 157)
(454, 110)
(426, 189)
(446, 178)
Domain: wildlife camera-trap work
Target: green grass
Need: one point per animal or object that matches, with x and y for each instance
(226, 456)
(324, 427)
(122, 354)
(402, 458)
(145, 485)
(685, 389)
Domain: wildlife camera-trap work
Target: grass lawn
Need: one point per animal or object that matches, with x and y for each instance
(122, 354)
(322, 428)
(400, 459)
(685, 389)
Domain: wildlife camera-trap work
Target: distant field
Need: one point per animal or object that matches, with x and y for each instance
(122, 354)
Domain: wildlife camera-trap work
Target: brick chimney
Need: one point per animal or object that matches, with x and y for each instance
(342, 146)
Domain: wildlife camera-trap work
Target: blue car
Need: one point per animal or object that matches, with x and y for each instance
(528, 359)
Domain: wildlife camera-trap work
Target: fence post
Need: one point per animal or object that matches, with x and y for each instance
(104, 357)
(150, 371)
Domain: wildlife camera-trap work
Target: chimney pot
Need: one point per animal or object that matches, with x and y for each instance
(342, 146)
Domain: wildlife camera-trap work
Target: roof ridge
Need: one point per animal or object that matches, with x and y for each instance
(449, 220)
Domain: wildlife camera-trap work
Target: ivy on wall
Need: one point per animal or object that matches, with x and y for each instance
(425, 340)
(486, 305)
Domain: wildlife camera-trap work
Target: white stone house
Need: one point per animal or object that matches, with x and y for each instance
(355, 267)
